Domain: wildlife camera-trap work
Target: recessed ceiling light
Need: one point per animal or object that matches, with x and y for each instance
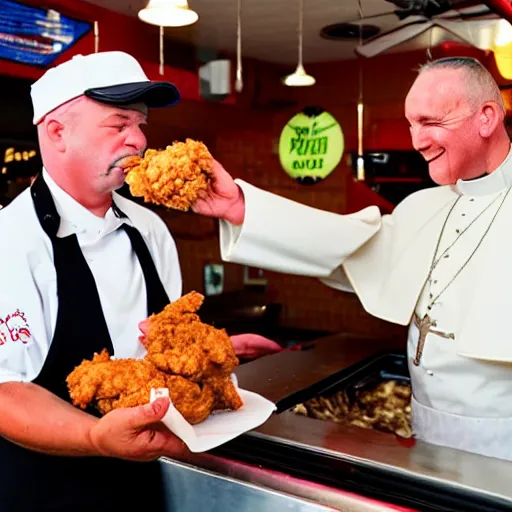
(348, 31)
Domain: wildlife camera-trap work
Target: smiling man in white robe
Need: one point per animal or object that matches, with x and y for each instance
(441, 263)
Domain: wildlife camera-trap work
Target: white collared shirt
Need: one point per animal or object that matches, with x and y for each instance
(28, 292)
(499, 179)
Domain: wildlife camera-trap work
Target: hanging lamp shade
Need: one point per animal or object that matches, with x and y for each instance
(299, 78)
(168, 13)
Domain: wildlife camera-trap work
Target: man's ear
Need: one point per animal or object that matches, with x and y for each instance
(55, 133)
(491, 117)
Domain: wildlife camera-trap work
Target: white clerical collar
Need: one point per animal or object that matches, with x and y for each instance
(75, 218)
(492, 183)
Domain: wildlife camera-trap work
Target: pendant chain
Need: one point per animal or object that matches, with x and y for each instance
(435, 259)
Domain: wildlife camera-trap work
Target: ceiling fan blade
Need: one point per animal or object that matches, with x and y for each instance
(393, 38)
(467, 14)
(365, 19)
(478, 33)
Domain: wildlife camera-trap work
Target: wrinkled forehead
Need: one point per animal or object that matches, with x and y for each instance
(436, 93)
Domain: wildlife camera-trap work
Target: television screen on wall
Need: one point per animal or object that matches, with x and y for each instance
(32, 35)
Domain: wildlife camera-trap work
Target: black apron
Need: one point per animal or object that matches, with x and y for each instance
(33, 482)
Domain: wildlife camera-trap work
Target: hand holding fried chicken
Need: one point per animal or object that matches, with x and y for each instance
(223, 199)
(134, 434)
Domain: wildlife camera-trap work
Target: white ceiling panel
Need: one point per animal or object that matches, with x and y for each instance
(269, 27)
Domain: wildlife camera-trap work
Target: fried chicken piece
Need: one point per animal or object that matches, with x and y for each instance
(128, 161)
(178, 342)
(162, 324)
(119, 379)
(194, 401)
(109, 384)
(196, 351)
(173, 177)
(226, 395)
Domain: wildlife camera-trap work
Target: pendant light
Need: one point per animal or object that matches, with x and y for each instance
(168, 13)
(161, 54)
(96, 37)
(360, 106)
(299, 78)
(239, 85)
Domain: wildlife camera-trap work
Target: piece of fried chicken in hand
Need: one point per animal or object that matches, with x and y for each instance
(109, 384)
(194, 401)
(225, 393)
(174, 177)
(178, 342)
(114, 381)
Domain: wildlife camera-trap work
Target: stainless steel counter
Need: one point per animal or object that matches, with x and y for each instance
(192, 489)
(415, 465)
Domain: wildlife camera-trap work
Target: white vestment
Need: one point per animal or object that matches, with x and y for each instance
(463, 385)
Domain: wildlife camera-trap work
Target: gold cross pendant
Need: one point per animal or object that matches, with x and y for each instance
(424, 326)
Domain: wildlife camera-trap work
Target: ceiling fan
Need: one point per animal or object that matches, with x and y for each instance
(462, 18)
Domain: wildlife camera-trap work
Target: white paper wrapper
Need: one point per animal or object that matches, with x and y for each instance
(221, 426)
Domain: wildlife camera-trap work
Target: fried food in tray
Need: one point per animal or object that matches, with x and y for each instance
(387, 408)
(173, 177)
(194, 361)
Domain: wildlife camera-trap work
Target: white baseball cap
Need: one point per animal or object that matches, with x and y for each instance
(115, 78)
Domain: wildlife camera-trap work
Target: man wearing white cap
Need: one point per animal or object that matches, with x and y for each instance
(81, 267)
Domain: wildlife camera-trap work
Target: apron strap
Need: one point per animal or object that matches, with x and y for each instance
(81, 328)
(157, 297)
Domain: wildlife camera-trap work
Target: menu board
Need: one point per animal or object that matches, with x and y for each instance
(36, 36)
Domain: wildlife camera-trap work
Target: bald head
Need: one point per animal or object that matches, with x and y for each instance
(478, 85)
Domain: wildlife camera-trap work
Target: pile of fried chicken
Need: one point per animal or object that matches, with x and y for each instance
(173, 177)
(193, 360)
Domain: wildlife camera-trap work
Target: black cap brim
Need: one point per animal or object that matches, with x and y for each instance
(153, 94)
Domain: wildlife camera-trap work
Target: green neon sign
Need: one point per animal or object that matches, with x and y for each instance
(311, 145)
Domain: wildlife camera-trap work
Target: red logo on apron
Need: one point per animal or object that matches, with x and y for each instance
(14, 327)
